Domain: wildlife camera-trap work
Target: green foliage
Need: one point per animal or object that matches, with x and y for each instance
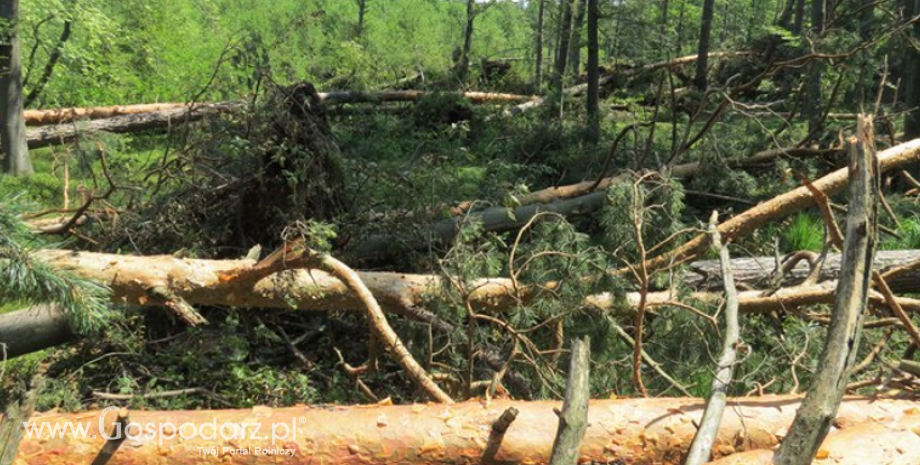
(654, 204)
(804, 232)
(30, 281)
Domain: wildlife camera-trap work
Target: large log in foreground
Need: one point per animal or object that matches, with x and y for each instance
(66, 115)
(633, 431)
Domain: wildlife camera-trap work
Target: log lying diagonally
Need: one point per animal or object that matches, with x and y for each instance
(636, 431)
(135, 280)
(575, 199)
(778, 207)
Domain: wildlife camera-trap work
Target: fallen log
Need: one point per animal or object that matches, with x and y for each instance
(778, 207)
(66, 115)
(628, 73)
(45, 136)
(635, 431)
(757, 272)
(139, 280)
(345, 96)
(892, 442)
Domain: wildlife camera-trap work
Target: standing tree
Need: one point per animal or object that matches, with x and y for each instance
(362, 8)
(16, 159)
(578, 20)
(912, 97)
(702, 62)
(562, 49)
(813, 87)
(538, 73)
(593, 102)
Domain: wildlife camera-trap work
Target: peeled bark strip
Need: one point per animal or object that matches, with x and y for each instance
(778, 207)
(813, 420)
(64, 133)
(637, 431)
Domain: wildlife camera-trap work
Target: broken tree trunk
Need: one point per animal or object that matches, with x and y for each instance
(640, 431)
(573, 418)
(778, 207)
(813, 420)
(45, 136)
(704, 440)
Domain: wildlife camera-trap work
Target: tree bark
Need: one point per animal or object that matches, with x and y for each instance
(813, 419)
(593, 95)
(578, 21)
(538, 71)
(66, 115)
(646, 431)
(799, 19)
(702, 63)
(573, 419)
(813, 101)
(562, 51)
(701, 448)
(463, 63)
(164, 119)
(912, 80)
(362, 8)
(16, 159)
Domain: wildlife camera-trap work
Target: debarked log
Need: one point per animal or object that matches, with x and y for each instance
(634, 431)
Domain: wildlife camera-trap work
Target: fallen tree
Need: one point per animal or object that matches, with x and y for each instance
(622, 74)
(778, 207)
(345, 96)
(66, 115)
(894, 441)
(166, 280)
(636, 431)
(163, 119)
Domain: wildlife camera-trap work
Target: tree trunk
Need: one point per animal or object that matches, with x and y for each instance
(16, 159)
(134, 281)
(463, 63)
(813, 100)
(66, 115)
(702, 62)
(912, 79)
(562, 50)
(593, 95)
(362, 8)
(646, 431)
(785, 18)
(538, 71)
(164, 119)
(578, 21)
(813, 419)
(799, 19)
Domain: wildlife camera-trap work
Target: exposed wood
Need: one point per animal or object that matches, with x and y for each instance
(16, 412)
(644, 431)
(66, 115)
(701, 448)
(813, 420)
(573, 419)
(783, 205)
(164, 119)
